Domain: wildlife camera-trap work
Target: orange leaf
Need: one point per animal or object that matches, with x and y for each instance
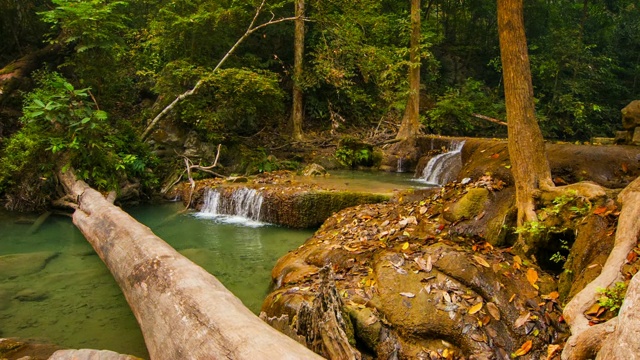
(600, 210)
(532, 276)
(625, 168)
(552, 296)
(524, 349)
(495, 156)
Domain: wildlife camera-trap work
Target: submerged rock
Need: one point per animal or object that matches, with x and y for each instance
(15, 265)
(88, 354)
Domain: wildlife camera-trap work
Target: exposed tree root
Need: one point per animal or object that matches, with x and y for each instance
(626, 238)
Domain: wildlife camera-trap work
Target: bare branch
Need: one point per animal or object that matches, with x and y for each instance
(493, 120)
(250, 30)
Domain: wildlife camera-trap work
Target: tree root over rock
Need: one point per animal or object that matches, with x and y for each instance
(624, 339)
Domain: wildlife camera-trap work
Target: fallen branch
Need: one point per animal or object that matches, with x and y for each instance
(250, 30)
(183, 311)
(626, 238)
(493, 120)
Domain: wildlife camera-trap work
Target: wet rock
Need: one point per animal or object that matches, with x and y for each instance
(15, 265)
(88, 354)
(11, 348)
(631, 115)
(30, 295)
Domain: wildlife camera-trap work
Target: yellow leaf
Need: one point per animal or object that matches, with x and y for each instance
(475, 308)
(405, 246)
(524, 349)
(552, 296)
(532, 276)
(517, 260)
(481, 261)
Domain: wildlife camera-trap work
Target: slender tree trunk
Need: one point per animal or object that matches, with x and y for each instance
(297, 113)
(183, 311)
(529, 162)
(410, 126)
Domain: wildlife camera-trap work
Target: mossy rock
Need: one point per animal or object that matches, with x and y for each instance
(469, 206)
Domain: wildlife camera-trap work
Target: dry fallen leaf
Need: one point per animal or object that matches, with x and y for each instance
(481, 261)
(552, 350)
(552, 296)
(521, 320)
(493, 310)
(532, 277)
(593, 310)
(524, 349)
(475, 308)
(405, 246)
(408, 294)
(512, 297)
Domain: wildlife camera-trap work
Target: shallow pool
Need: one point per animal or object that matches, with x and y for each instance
(53, 287)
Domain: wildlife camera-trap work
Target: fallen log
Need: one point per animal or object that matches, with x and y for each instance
(183, 311)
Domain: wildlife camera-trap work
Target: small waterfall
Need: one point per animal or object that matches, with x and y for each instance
(243, 202)
(399, 166)
(444, 167)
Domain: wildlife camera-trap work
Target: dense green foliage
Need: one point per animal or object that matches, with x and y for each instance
(63, 128)
(137, 56)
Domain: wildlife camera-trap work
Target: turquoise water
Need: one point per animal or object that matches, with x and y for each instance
(54, 288)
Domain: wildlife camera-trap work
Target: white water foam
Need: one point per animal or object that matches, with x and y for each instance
(242, 208)
(444, 167)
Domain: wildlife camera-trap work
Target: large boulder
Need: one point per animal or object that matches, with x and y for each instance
(631, 115)
(414, 287)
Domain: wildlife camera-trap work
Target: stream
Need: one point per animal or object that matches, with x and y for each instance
(54, 288)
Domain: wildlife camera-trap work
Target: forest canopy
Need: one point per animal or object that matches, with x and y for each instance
(124, 61)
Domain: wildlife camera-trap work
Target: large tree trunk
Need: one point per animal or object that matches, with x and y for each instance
(410, 126)
(183, 311)
(526, 146)
(297, 113)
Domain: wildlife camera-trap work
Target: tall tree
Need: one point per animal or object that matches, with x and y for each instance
(410, 126)
(529, 162)
(297, 113)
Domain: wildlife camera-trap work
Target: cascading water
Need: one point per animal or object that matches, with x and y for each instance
(399, 167)
(444, 167)
(244, 202)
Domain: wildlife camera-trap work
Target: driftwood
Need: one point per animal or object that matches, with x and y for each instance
(321, 326)
(626, 238)
(324, 323)
(183, 311)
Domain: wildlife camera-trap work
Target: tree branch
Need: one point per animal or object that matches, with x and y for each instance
(493, 120)
(250, 30)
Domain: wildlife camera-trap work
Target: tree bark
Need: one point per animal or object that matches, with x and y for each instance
(183, 311)
(12, 74)
(530, 166)
(410, 126)
(297, 112)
